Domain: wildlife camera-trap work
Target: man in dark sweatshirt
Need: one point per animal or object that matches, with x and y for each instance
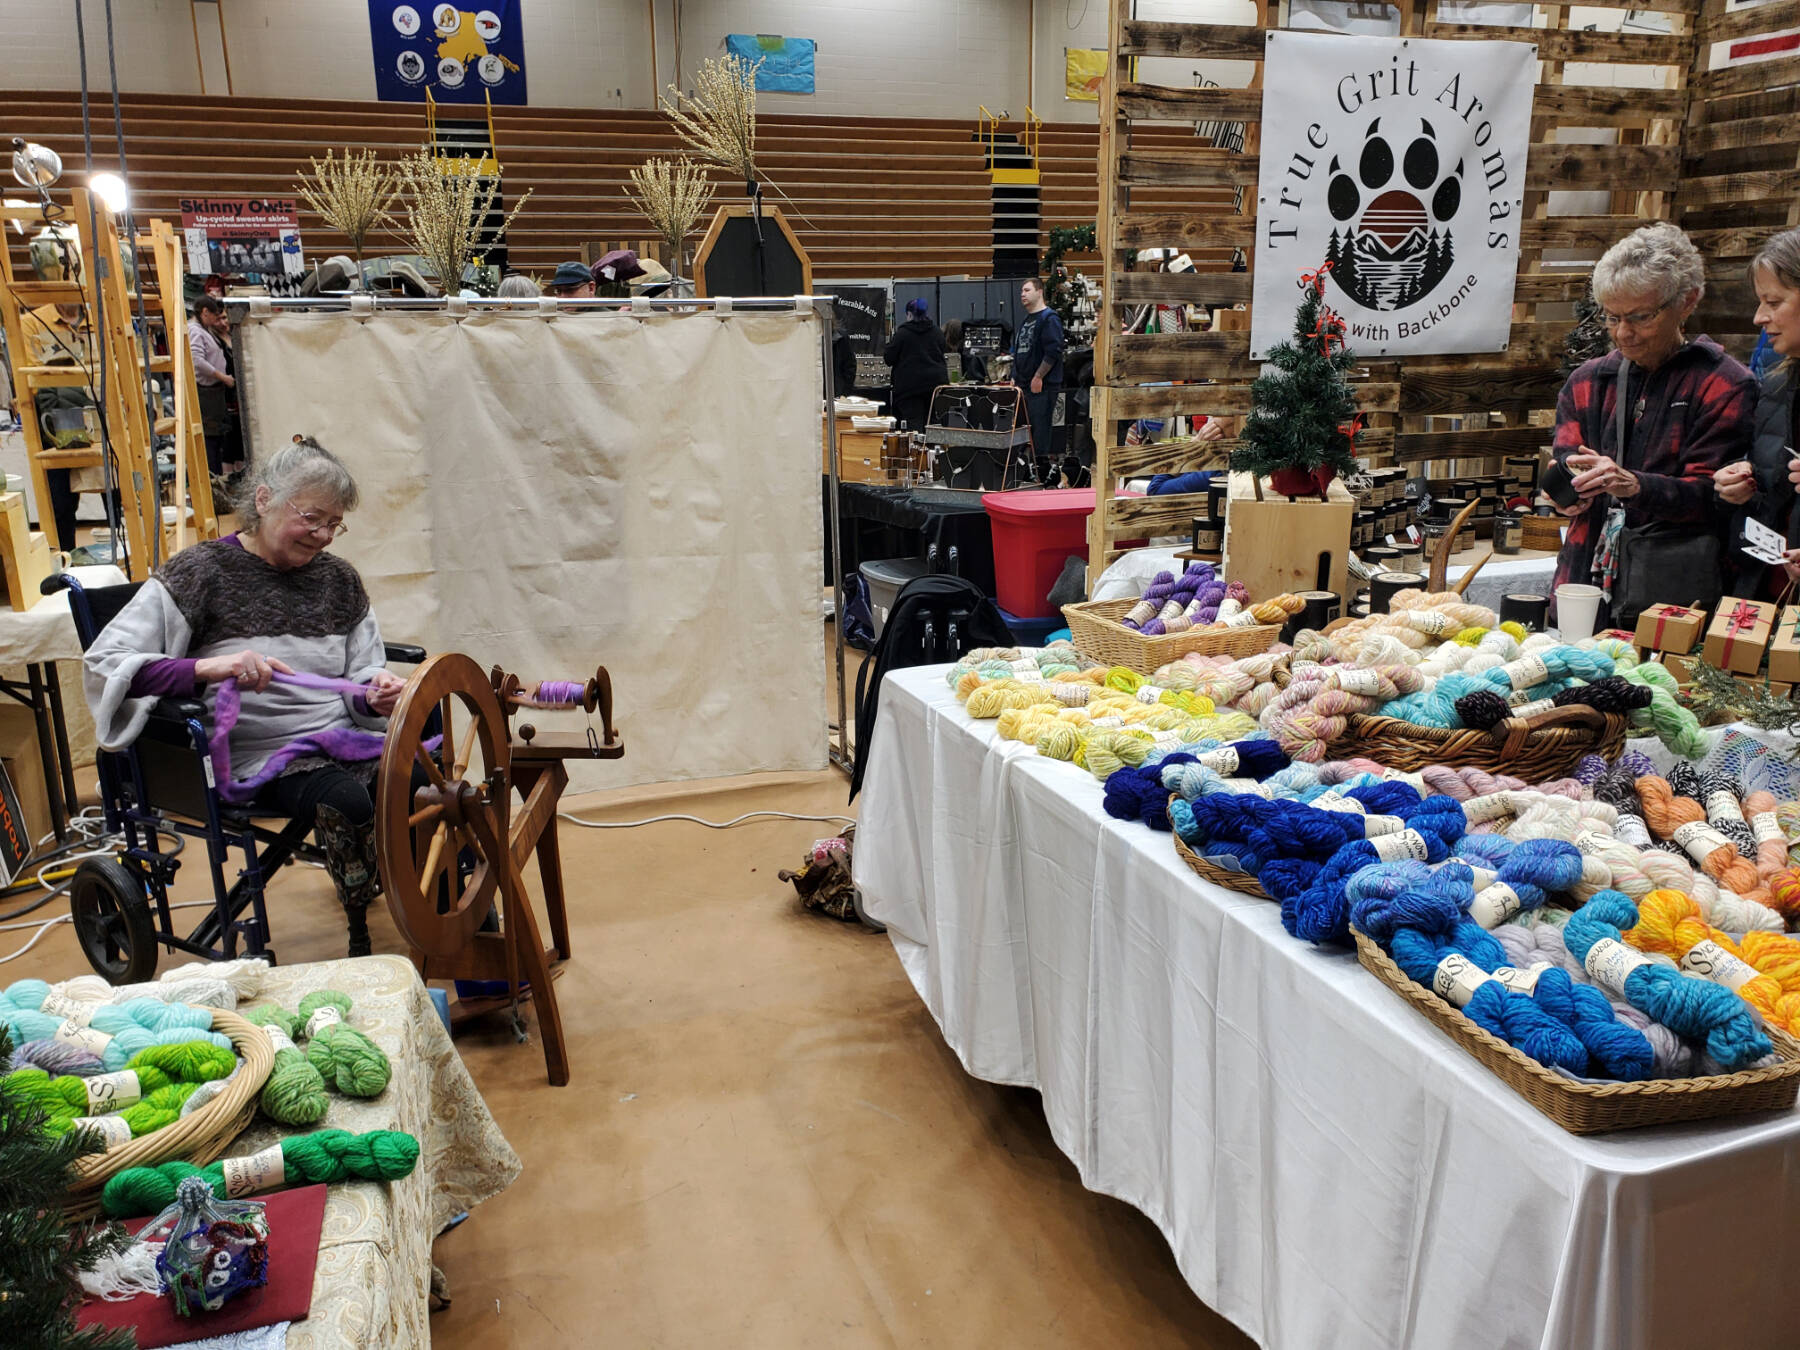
(1037, 355)
(916, 352)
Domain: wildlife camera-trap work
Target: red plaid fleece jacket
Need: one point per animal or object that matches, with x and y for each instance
(1698, 416)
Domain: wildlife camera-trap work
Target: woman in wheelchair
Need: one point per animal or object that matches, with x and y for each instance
(262, 610)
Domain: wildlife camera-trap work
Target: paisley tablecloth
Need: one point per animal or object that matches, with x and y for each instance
(372, 1287)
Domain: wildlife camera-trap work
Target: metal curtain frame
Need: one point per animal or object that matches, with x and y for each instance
(838, 747)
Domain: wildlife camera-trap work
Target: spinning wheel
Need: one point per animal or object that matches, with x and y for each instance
(450, 843)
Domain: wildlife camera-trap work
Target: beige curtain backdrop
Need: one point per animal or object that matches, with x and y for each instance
(556, 493)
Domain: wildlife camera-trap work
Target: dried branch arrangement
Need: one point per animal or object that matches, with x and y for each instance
(444, 213)
(352, 194)
(718, 122)
(672, 194)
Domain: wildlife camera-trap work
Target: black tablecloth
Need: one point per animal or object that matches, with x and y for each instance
(897, 522)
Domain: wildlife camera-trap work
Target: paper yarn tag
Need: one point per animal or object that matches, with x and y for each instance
(1379, 825)
(1709, 959)
(1432, 623)
(1359, 680)
(1495, 905)
(1401, 844)
(1227, 608)
(86, 1037)
(1149, 693)
(1767, 828)
(278, 1039)
(1700, 839)
(1521, 981)
(1242, 619)
(110, 1092)
(263, 1171)
(112, 1131)
(1223, 761)
(69, 1009)
(1457, 978)
(1723, 805)
(1526, 672)
(1494, 805)
(1609, 962)
(1537, 707)
(1333, 801)
(322, 1018)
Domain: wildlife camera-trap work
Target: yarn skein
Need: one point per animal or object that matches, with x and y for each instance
(294, 1093)
(307, 1159)
(345, 1058)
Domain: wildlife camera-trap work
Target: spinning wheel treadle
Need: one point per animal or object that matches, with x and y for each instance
(451, 848)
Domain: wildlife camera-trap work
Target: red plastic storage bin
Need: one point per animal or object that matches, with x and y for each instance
(1035, 533)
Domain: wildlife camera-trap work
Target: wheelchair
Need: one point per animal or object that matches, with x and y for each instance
(163, 784)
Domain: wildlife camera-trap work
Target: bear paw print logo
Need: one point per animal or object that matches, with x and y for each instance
(1395, 243)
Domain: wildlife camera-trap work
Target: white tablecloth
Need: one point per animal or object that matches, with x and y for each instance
(45, 632)
(1505, 576)
(1328, 1167)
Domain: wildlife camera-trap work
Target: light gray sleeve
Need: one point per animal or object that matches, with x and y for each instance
(150, 628)
(364, 656)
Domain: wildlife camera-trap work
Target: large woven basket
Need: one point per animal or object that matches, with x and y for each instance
(1095, 629)
(196, 1138)
(1546, 747)
(1590, 1108)
(1221, 876)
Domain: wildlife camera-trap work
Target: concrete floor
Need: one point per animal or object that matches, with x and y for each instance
(766, 1142)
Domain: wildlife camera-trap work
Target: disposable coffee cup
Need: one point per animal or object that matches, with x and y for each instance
(1577, 607)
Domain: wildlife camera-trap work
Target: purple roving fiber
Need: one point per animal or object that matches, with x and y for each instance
(347, 744)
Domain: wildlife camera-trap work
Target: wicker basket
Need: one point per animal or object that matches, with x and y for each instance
(1221, 876)
(1095, 628)
(1590, 1108)
(1545, 747)
(196, 1138)
(1544, 532)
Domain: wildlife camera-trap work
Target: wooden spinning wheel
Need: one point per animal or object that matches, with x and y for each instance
(451, 846)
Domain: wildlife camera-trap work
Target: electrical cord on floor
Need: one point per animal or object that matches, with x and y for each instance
(710, 824)
(48, 924)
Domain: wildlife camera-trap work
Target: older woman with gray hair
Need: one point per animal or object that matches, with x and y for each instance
(269, 611)
(1641, 431)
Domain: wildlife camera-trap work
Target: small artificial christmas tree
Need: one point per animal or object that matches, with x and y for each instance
(1303, 423)
(41, 1255)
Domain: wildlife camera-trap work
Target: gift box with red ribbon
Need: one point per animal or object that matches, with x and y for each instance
(1739, 635)
(1670, 628)
(1784, 647)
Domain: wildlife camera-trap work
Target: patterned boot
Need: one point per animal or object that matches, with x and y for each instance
(350, 860)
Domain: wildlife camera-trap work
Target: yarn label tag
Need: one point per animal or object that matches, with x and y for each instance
(1379, 825)
(1700, 839)
(278, 1039)
(263, 1171)
(1494, 805)
(1360, 681)
(1495, 905)
(74, 1010)
(1723, 805)
(1248, 786)
(70, 1033)
(1763, 825)
(1526, 672)
(1242, 619)
(110, 1130)
(1610, 961)
(1709, 959)
(1590, 841)
(1150, 693)
(1333, 801)
(1519, 698)
(1227, 607)
(1223, 761)
(1431, 622)
(109, 1092)
(1480, 876)
(1521, 981)
(1030, 677)
(1108, 721)
(1457, 978)
(1401, 844)
(322, 1018)
(1537, 707)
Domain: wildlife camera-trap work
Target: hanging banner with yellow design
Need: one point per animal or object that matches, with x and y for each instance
(1086, 69)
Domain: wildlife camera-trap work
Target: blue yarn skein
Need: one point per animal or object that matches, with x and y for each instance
(1436, 706)
(1619, 1050)
(1532, 870)
(1686, 1004)
(1319, 910)
(1385, 898)
(1139, 794)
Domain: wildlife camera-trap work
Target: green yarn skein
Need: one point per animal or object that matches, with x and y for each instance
(158, 1068)
(294, 1093)
(344, 1057)
(322, 1156)
(157, 1109)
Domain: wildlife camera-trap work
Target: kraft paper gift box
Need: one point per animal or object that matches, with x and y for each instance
(1784, 647)
(1681, 667)
(1739, 635)
(1670, 628)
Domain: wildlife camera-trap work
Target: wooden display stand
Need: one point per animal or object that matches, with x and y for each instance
(1276, 545)
(25, 552)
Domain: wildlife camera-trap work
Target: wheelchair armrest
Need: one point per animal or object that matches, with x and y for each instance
(404, 653)
(179, 709)
(58, 581)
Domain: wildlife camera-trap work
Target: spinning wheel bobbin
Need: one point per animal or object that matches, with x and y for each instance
(596, 695)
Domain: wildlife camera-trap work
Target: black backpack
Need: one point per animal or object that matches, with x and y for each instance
(935, 618)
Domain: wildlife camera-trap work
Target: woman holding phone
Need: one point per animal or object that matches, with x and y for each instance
(1764, 486)
(1641, 431)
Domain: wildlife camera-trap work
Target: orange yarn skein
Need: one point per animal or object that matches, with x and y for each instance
(1684, 820)
(1670, 922)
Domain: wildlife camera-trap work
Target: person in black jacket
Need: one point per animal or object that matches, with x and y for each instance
(1037, 353)
(916, 352)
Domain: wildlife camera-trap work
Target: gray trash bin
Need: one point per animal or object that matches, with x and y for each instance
(885, 577)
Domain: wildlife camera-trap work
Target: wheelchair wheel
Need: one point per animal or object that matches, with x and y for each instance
(113, 921)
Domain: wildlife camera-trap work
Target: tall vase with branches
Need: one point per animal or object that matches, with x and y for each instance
(672, 194)
(352, 194)
(718, 120)
(444, 214)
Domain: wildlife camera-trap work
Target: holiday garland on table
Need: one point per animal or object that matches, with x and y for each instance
(1303, 423)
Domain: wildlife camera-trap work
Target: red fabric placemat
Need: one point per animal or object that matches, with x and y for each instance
(296, 1219)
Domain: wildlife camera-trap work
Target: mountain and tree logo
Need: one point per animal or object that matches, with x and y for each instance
(1391, 241)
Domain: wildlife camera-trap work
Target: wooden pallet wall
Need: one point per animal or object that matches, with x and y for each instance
(1500, 401)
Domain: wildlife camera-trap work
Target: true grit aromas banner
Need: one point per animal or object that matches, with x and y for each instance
(1400, 163)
